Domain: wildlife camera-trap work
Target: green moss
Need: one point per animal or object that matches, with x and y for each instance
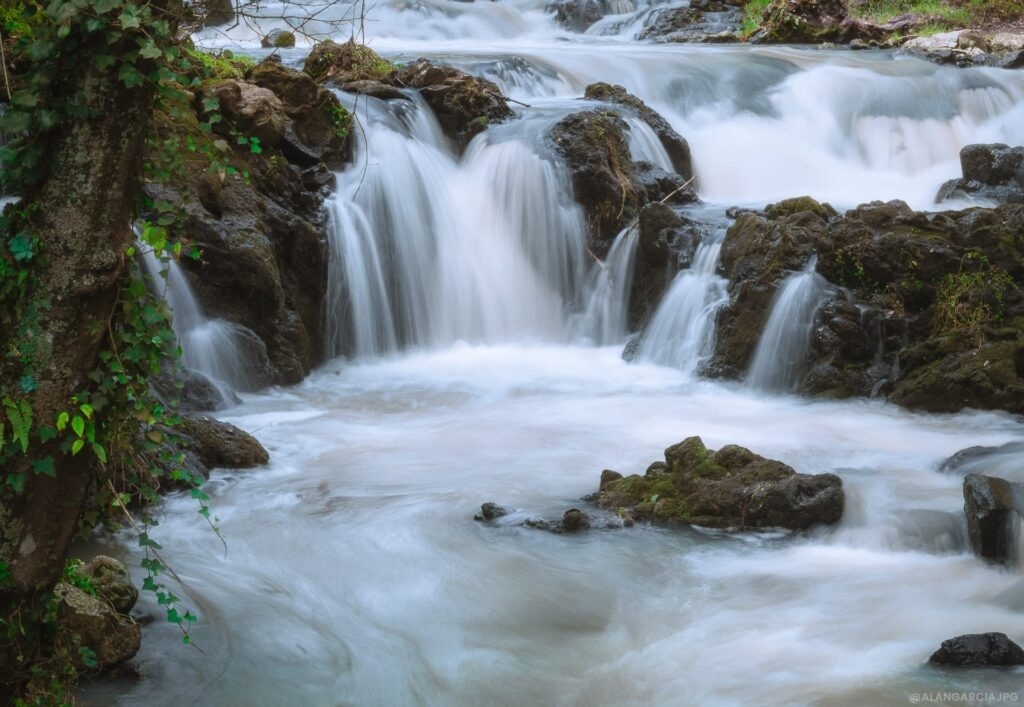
(753, 12)
(223, 65)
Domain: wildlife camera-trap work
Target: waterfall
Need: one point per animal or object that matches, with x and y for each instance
(604, 320)
(781, 353)
(644, 145)
(211, 347)
(427, 249)
(681, 333)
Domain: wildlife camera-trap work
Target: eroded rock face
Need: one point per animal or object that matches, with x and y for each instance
(994, 507)
(993, 172)
(263, 236)
(731, 488)
(979, 649)
(932, 316)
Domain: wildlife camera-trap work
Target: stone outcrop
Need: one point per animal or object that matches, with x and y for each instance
(706, 21)
(979, 650)
(255, 209)
(732, 488)
(992, 172)
(933, 313)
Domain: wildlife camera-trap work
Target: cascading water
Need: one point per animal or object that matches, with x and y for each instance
(781, 354)
(208, 346)
(605, 317)
(355, 549)
(681, 333)
(431, 250)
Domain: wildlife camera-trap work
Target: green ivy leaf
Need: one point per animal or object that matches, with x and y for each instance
(27, 383)
(130, 76)
(45, 466)
(102, 7)
(149, 50)
(78, 425)
(21, 247)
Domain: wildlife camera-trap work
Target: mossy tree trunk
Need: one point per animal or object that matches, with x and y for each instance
(82, 212)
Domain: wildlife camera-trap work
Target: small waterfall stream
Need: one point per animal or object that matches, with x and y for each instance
(208, 346)
(781, 355)
(681, 333)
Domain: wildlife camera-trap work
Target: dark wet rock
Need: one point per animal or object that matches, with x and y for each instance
(92, 623)
(574, 521)
(975, 458)
(261, 228)
(214, 13)
(577, 15)
(220, 444)
(111, 581)
(278, 39)
(189, 391)
(491, 511)
(979, 649)
(594, 146)
(464, 105)
(992, 172)
(702, 21)
(675, 145)
(731, 488)
(375, 89)
(932, 314)
(994, 507)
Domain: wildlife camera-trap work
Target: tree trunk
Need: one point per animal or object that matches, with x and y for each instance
(84, 218)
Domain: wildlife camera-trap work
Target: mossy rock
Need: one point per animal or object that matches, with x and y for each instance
(341, 63)
(732, 488)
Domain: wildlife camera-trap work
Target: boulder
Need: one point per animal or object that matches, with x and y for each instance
(330, 62)
(594, 146)
(732, 488)
(675, 145)
(492, 511)
(112, 582)
(801, 21)
(577, 15)
(994, 508)
(979, 649)
(278, 39)
(251, 109)
(702, 21)
(220, 444)
(969, 47)
(464, 105)
(992, 172)
(93, 624)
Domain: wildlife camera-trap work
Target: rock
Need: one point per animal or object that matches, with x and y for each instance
(573, 521)
(376, 89)
(188, 391)
(977, 459)
(993, 172)
(994, 508)
(731, 488)
(677, 148)
(596, 152)
(576, 15)
(340, 63)
(251, 109)
(801, 21)
(969, 47)
(464, 105)
(933, 316)
(711, 22)
(491, 511)
(112, 582)
(220, 444)
(278, 39)
(215, 13)
(263, 238)
(979, 649)
(94, 625)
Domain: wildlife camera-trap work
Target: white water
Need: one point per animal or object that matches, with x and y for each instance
(681, 333)
(211, 347)
(780, 358)
(354, 573)
(605, 318)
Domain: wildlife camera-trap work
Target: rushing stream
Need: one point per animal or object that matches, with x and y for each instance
(480, 361)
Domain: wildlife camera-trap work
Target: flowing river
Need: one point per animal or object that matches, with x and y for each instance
(489, 369)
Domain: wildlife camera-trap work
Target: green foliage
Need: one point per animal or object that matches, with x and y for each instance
(971, 300)
(223, 65)
(753, 12)
(73, 576)
(341, 119)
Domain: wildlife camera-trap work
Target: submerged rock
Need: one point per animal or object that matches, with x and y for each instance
(731, 488)
(491, 511)
(992, 172)
(994, 508)
(979, 649)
